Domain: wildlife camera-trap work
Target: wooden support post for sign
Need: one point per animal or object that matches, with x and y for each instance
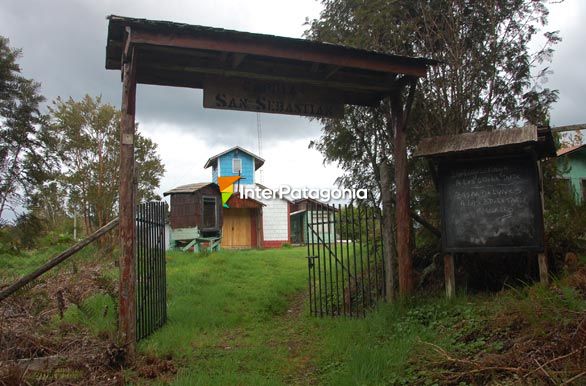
(449, 276)
(542, 257)
(403, 217)
(387, 235)
(127, 286)
(543, 269)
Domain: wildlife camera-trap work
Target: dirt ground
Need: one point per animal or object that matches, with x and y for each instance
(37, 347)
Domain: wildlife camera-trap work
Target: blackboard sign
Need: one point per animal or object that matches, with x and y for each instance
(491, 205)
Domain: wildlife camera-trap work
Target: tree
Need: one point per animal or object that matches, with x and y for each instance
(22, 164)
(86, 140)
(489, 78)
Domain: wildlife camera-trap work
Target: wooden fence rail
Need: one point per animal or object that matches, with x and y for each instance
(57, 260)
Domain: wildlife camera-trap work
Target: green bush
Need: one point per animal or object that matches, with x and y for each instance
(564, 218)
(9, 241)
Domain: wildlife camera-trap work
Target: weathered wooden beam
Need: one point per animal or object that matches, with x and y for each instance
(127, 208)
(268, 49)
(237, 60)
(331, 72)
(542, 257)
(387, 235)
(403, 210)
(360, 86)
(560, 129)
(255, 65)
(26, 279)
(43, 364)
(449, 276)
(126, 49)
(543, 268)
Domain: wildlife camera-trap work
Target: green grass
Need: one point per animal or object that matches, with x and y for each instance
(97, 312)
(13, 266)
(220, 308)
(230, 323)
(241, 317)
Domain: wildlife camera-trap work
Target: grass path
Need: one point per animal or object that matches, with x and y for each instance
(241, 318)
(231, 320)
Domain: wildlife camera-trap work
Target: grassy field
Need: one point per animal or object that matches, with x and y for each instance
(241, 318)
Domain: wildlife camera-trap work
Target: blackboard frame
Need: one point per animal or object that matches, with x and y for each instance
(446, 163)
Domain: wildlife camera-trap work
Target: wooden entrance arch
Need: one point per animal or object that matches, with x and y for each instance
(253, 72)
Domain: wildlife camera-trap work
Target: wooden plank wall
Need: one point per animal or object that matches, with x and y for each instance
(186, 208)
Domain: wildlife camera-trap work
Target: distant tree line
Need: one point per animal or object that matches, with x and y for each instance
(61, 163)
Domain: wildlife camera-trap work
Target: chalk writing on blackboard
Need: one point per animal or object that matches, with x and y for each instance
(490, 204)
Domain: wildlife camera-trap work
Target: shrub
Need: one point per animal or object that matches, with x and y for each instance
(564, 218)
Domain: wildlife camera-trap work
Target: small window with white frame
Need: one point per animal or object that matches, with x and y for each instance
(236, 165)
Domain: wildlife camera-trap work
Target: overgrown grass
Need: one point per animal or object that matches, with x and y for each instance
(231, 322)
(241, 317)
(97, 312)
(14, 265)
(220, 309)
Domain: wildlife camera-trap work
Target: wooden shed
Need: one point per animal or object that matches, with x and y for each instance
(196, 211)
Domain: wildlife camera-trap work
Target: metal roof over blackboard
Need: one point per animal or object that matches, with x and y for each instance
(540, 139)
(176, 54)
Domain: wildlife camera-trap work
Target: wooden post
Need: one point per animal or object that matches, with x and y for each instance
(542, 257)
(543, 269)
(403, 217)
(449, 276)
(127, 205)
(387, 234)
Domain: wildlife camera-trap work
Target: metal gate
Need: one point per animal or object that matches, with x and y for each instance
(151, 300)
(345, 259)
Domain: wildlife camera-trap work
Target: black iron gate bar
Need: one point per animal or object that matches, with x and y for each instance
(343, 288)
(151, 303)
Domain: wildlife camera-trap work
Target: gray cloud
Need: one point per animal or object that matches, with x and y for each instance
(64, 41)
(63, 44)
(183, 107)
(568, 63)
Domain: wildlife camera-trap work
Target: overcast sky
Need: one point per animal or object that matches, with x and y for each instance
(63, 43)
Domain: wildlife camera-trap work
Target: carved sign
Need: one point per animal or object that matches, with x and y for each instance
(271, 97)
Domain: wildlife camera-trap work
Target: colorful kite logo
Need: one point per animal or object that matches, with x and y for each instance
(226, 185)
